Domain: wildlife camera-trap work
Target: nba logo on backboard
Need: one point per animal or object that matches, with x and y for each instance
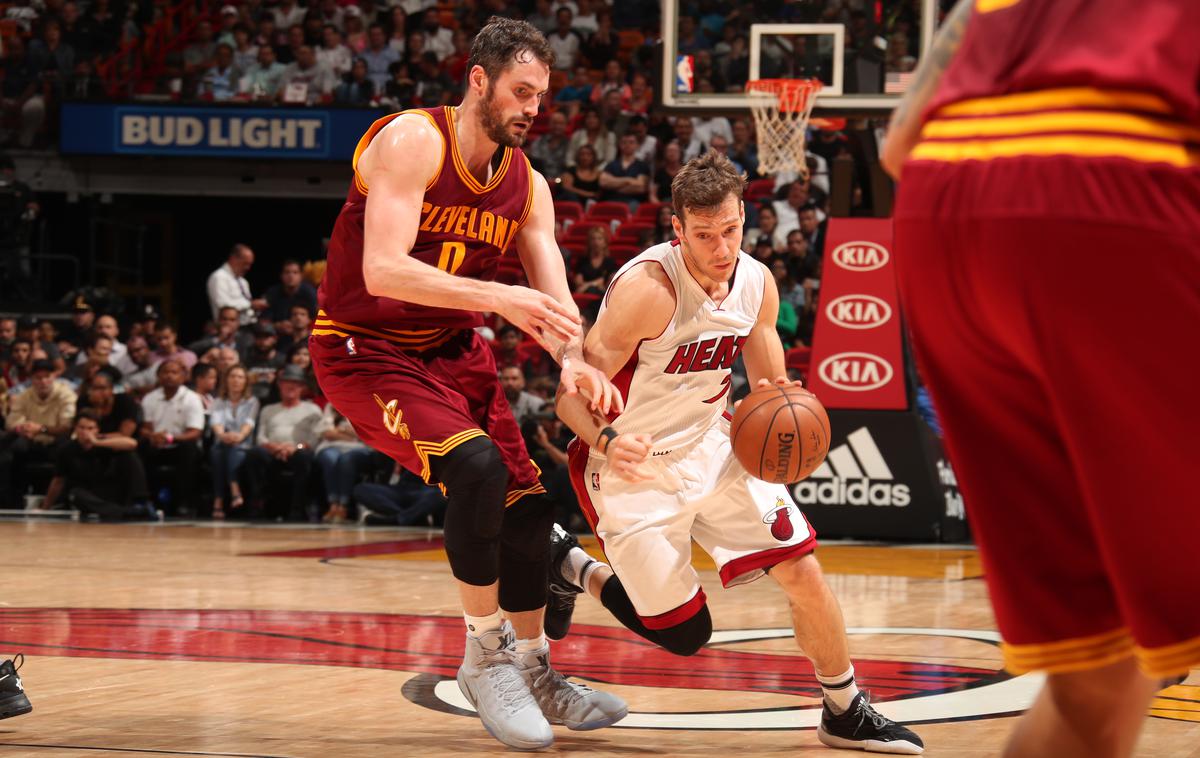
(683, 74)
(596, 480)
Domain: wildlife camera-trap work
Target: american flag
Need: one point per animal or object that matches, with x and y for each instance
(897, 82)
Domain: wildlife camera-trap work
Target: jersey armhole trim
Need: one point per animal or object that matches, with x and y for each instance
(361, 184)
(674, 313)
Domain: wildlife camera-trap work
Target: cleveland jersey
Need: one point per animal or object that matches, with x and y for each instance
(676, 386)
(465, 228)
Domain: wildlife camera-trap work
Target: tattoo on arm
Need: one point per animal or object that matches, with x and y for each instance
(929, 73)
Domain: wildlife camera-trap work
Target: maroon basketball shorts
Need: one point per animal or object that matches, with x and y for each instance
(1060, 348)
(417, 405)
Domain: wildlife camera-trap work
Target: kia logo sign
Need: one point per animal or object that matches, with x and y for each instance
(858, 311)
(855, 372)
(861, 256)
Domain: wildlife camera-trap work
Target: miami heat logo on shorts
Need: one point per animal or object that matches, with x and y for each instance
(780, 520)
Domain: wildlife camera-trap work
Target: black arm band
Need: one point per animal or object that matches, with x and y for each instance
(606, 433)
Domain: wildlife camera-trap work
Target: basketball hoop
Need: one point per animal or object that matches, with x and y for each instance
(781, 109)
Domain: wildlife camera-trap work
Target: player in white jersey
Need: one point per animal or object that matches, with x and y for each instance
(662, 472)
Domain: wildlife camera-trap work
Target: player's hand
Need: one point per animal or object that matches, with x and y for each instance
(540, 316)
(782, 381)
(626, 453)
(602, 394)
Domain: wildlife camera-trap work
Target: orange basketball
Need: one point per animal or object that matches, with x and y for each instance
(780, 434)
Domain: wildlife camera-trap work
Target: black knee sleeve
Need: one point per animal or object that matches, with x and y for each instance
(682, 639)
(687, 638)
(476, 481)
(525, 553)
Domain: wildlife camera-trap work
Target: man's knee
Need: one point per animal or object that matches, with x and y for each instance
(476, 481)
(798, 576)
(687, 638)
(1095, 692)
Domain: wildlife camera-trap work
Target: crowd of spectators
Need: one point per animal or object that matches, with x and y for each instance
(230, 422)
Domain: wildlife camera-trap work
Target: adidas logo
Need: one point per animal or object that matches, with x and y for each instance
(853, 474)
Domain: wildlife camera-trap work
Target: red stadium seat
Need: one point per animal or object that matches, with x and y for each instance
(798, 358)
(631, 231)
(648, 211)
(622, 252)
(585, 299)
(568, 209)
(609, 209)
(760, 189)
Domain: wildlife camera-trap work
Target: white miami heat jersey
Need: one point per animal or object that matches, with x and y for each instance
(676, 386)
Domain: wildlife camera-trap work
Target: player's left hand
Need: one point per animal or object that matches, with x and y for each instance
(782, 381)
(578, 376)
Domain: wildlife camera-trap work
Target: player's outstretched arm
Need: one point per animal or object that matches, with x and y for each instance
(544, 266)
(396, 167)
(763, 353)
(641, 303)
(904, 131)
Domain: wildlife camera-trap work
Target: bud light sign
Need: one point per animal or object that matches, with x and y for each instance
(858, 358)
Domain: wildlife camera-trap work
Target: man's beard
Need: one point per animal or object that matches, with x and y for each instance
(494, 125)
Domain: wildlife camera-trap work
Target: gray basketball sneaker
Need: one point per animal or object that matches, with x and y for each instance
(491, 682)
(575, 706)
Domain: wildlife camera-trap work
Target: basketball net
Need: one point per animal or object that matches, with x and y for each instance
(781, 109)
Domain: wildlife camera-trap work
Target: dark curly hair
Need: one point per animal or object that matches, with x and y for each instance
(503, 42)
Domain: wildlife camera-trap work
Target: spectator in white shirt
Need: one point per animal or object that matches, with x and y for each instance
(438, 39)
(227, 286)
(564, 41)
(307, 81)
(333, 53)
(585, 19)
(170, 437)
(707, 128)
(288, 14)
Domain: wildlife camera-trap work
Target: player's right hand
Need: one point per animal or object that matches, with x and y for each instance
(626, 453)
(540, 316)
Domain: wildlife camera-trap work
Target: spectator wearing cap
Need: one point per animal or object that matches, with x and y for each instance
(626, 179)
(228, 20)
(378, 56)
(83, 318)
(227, 286)
(283, 442)
(38, 420)
(28, 327)
(144, 323)
(263, 360)
(290, 291)
(167, 341)
(169, 437)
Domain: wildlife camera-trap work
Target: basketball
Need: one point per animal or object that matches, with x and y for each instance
(780, 433)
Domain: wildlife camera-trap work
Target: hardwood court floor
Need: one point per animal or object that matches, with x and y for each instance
(226, 640)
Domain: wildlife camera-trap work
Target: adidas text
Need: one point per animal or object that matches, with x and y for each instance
(839, 491)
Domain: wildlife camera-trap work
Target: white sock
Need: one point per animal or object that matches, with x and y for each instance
(839, 690)
(478, 625)
(531, 645)
(576, 566)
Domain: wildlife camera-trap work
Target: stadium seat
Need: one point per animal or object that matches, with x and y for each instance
(609, 209)
(623, 252)
(631, 231)
(568, 209)
(798, 358)
(648, 211)
(585, 299)
(760, 189)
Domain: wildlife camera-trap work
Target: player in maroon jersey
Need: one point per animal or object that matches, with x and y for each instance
(439, 196)
(1042, 145)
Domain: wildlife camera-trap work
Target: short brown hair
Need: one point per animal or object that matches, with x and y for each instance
(704, 182)
(501, 40)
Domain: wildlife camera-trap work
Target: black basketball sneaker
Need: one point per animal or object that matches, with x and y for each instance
(561, 592)
(861, 727)
(13, 701)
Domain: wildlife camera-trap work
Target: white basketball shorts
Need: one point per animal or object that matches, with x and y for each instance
(701, 492)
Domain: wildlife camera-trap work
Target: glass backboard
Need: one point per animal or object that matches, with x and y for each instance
(863, 51)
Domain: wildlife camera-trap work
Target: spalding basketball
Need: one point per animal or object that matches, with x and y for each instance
(780, 434)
